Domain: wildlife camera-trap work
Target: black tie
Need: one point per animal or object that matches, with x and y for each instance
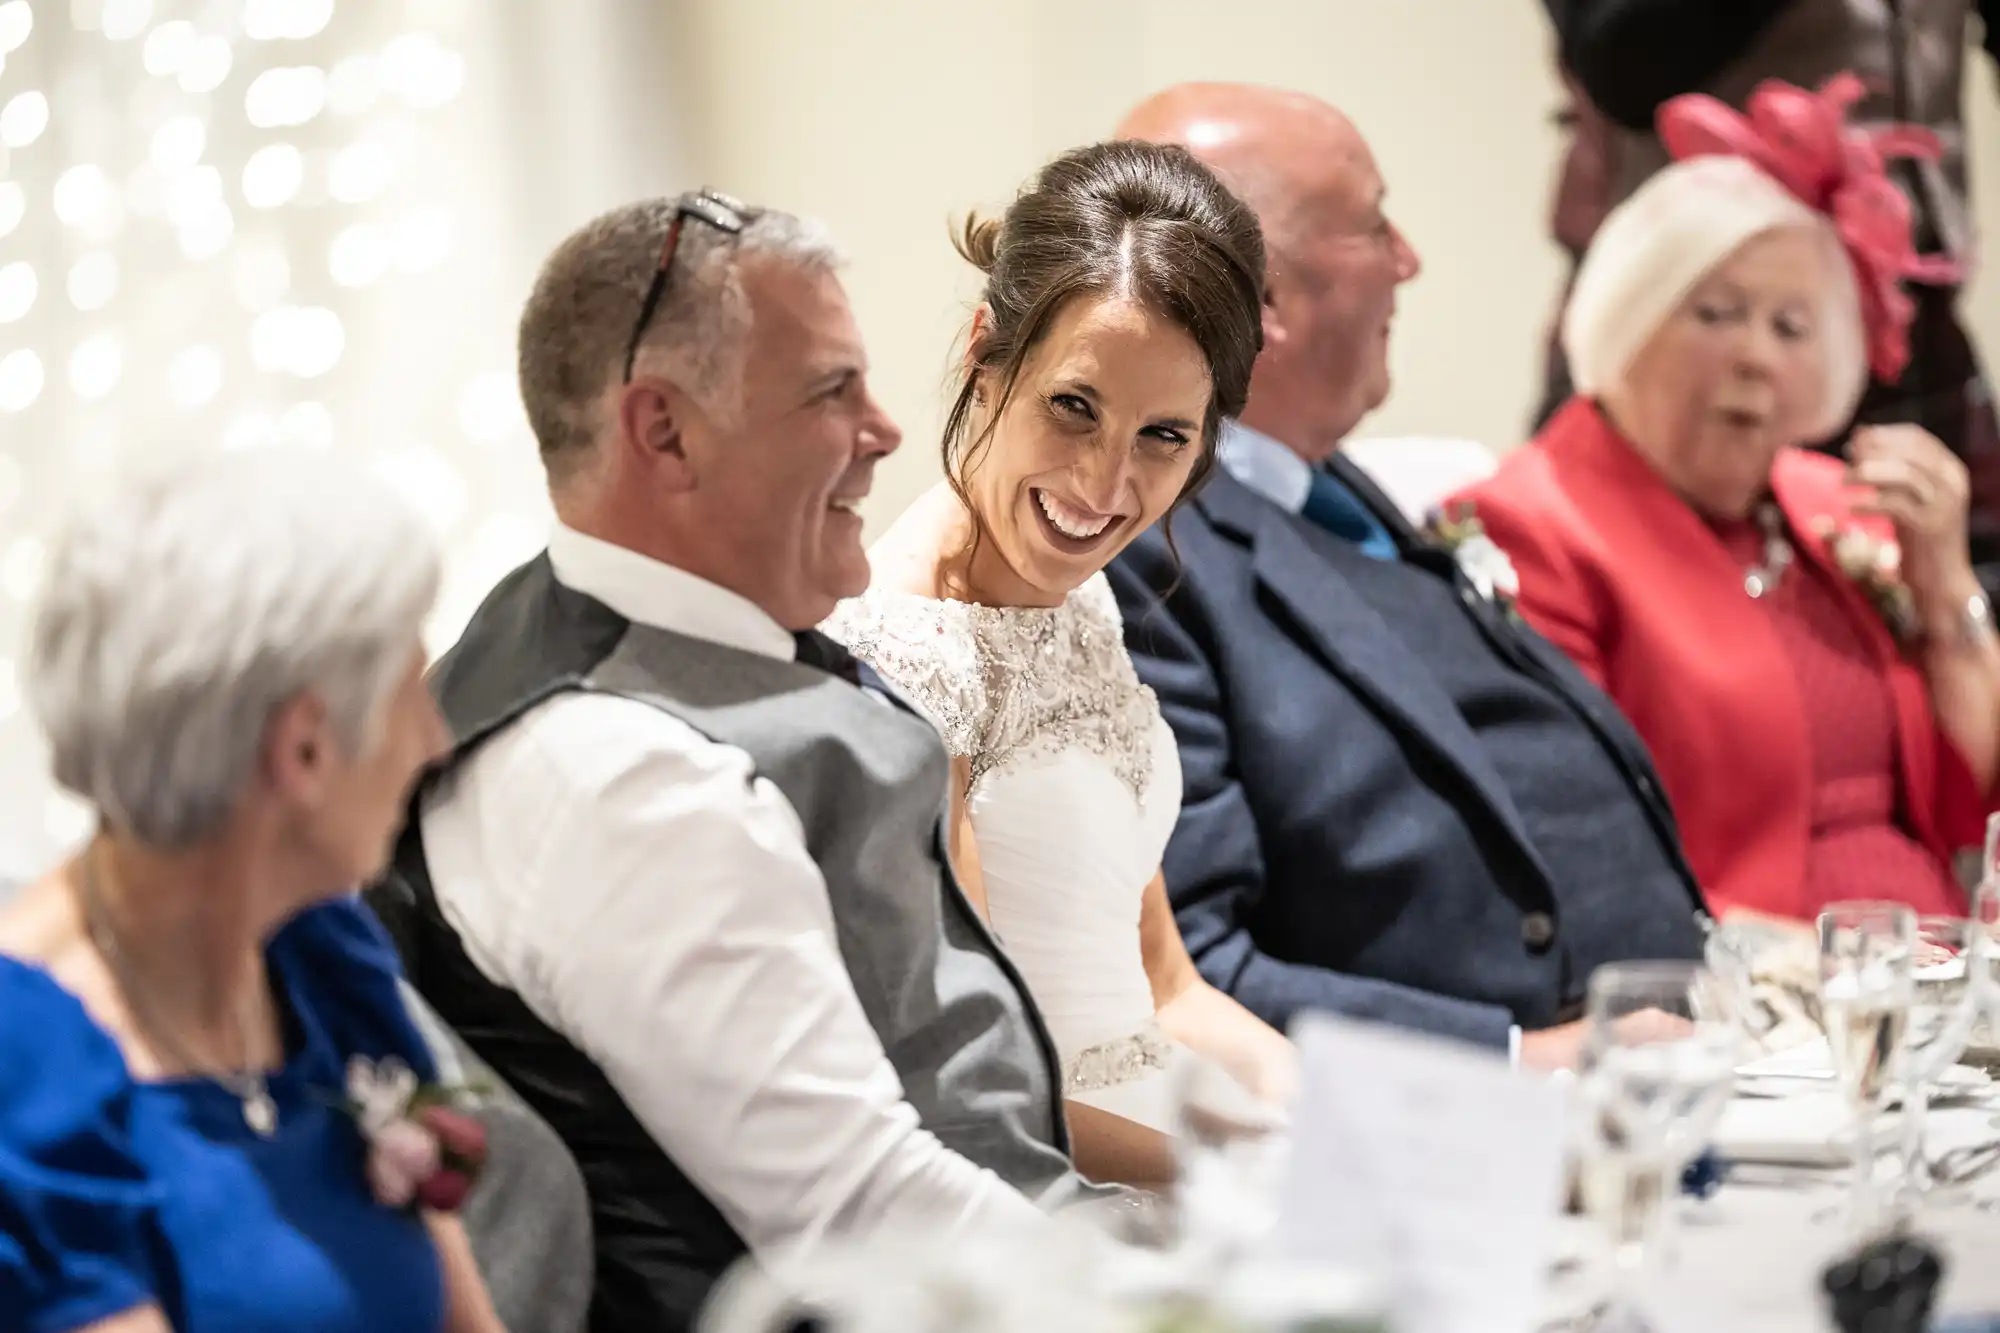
(817, 650)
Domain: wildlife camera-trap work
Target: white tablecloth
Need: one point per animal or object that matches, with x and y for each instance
(1750, 1258)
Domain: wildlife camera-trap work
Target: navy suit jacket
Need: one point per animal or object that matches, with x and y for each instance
(1345, 842)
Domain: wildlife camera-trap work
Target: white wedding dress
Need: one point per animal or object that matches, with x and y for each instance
(1076, 784)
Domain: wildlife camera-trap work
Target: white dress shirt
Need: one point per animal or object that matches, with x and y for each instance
(1267, 466)
(653, 901)
(1417, 472)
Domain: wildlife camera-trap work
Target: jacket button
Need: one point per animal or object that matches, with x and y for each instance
(1538, 930)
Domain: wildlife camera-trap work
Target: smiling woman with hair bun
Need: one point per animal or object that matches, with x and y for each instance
(1121, 315)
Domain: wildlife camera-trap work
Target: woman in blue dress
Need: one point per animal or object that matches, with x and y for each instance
(228, 667)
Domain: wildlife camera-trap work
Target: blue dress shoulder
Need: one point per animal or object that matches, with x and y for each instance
(116, 1193)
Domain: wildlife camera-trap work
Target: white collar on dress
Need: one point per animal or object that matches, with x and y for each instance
(650, 592)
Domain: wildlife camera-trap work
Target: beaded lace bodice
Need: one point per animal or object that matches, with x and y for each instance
(1006, 684)
(1075, 787)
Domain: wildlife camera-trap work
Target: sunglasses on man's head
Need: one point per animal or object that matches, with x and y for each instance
(715, 208)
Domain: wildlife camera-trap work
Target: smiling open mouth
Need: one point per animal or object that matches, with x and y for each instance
(1071, 529)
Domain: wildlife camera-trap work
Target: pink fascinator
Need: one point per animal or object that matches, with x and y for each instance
(1802, 140)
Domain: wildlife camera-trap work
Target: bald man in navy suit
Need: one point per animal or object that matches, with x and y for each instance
(1400, 803)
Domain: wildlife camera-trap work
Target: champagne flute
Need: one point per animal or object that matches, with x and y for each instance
(1942, 1007)
(1656, 1068)
(1865, 953)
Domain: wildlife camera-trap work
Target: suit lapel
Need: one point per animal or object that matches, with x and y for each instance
(1807, 506)
(1299, 566)
(1516, 639)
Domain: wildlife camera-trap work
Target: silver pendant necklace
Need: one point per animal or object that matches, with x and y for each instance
(1761, 580)
(248, 1086)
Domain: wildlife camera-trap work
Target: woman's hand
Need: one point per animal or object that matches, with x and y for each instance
(1922, 487)
(1202, 1018)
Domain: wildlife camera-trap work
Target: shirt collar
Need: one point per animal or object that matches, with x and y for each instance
(1265, 465)
(651, 592)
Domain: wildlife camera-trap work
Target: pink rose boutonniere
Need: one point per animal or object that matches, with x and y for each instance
(1876, 564)
(423, 1145)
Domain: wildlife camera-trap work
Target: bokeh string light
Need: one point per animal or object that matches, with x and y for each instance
(214, 216)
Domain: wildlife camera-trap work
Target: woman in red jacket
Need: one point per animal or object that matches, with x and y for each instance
(1801, 640)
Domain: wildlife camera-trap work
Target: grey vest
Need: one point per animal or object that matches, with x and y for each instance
(868, 779)
(1813, 40)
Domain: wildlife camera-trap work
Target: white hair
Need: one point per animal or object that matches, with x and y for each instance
(185, 608)
(1657, 246)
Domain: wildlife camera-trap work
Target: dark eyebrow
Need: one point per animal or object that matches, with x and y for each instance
(1085, 390)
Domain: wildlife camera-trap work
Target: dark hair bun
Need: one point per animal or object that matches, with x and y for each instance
(978, 242)
(1146, 221)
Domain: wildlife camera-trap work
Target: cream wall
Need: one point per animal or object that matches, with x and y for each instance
(484, 133)
(887, 117)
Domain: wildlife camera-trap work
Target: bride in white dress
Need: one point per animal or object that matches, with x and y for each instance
(1119, 324)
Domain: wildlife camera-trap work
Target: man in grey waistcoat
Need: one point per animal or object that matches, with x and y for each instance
(682, 881)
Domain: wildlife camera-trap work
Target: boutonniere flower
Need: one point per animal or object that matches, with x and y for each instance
(423, 1145)
(1876, 565)
(1486, 566)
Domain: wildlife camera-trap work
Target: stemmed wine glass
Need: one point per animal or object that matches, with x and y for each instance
(1942, 1009)
(1655, 1071)
(1865, 991)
